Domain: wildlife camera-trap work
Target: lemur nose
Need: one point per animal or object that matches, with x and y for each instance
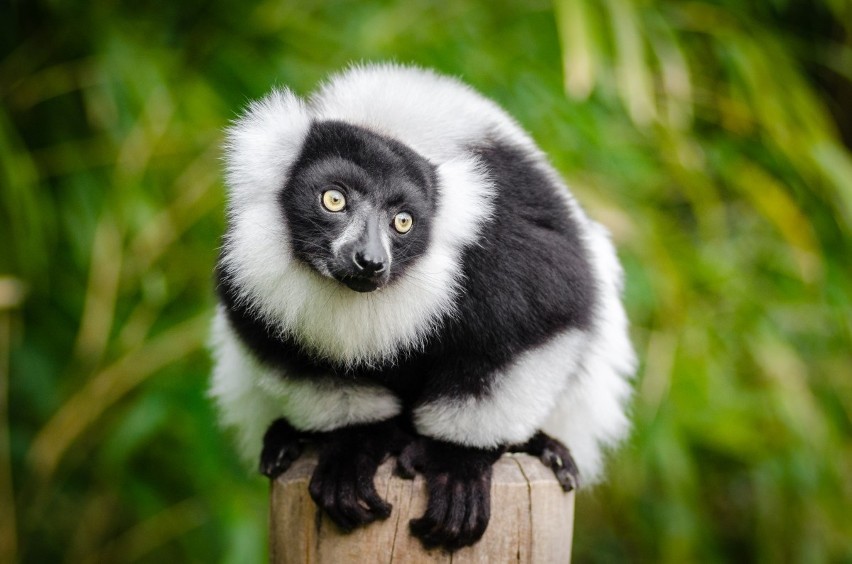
(368, 262)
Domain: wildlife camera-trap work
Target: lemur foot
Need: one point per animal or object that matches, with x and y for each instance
(458, 481)
(282, 445)
(555, 456)
(342, 483)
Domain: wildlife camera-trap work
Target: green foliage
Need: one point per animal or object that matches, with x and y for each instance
(700, 132)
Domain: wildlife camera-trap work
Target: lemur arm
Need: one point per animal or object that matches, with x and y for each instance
(342, 483)
(354, 426)
(471, 412)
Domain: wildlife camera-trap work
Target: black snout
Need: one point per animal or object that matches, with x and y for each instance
(369, 254)
(369, 262)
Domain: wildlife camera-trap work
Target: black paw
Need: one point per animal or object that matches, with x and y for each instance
(555, 456)
(559, 459)
(281, 447)
(342, 483)
(458, 481)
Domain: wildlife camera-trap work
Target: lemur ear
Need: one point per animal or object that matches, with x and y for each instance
(263, 143)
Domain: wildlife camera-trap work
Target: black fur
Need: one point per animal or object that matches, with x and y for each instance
(527, 279)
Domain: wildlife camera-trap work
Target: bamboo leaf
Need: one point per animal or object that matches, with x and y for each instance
(674, 70)
(106, 388)
(772, 200)
(835, 164)
(633, 75)
(577, 36)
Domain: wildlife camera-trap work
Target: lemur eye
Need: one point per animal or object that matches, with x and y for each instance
(402, 222)
(333, 200)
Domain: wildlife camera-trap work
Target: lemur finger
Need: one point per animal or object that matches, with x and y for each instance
(555, 455)
(421, 528)
(448, 533)
(436, 510)
(348, 505)
(476, 519)
(477, 512)
(324, 492)
(559, 459)
(368, 494)
(471, 524)
(482, 503)
(281, 447)
(404, 469)
(444, 528)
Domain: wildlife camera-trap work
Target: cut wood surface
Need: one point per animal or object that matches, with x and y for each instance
(531, 520)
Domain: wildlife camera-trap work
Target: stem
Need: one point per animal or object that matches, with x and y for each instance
(8, 530)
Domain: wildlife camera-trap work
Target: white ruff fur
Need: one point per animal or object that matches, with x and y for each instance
(575, 386)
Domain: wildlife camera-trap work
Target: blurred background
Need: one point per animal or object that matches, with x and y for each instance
(712, 137)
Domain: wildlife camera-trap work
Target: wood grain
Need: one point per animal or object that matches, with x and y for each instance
(531, 521)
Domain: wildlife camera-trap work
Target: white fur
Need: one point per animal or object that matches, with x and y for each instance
(575, 386)
(590, 415)
(324, 405)
(261, 145)
(243, 405)
(436, 115)
(516, 406)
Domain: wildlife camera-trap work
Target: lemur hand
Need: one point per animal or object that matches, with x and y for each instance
(458, 480)
(555, 455)
(342, 483)
(282, 445)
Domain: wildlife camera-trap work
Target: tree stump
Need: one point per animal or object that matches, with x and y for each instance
(531, 520)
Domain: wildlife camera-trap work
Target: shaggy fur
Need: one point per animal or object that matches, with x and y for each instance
(498, 316)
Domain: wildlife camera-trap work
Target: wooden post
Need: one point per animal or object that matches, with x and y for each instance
(531, 520)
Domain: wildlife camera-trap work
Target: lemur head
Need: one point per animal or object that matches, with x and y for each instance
(358, 205)
(405, 197)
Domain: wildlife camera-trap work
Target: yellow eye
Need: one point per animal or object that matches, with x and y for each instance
(402, 222)
(333, 200)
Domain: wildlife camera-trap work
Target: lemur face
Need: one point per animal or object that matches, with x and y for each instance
(358, 206)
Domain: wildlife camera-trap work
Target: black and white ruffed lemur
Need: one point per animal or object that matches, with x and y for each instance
(404, 272)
